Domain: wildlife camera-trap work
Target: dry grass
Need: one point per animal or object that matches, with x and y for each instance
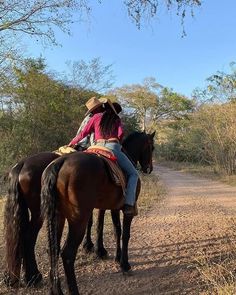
(218, 272)
(151, 192)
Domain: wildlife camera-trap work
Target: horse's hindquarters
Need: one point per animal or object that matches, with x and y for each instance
(84, 182)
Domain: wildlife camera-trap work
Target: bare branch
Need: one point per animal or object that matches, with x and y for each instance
(40, 17)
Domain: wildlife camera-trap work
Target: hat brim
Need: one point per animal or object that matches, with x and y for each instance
(103, 100)
(94, 108)
(112, 107)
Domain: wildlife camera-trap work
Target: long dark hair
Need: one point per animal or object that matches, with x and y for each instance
(109, 121)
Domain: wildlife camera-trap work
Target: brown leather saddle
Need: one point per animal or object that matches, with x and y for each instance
(114, 170)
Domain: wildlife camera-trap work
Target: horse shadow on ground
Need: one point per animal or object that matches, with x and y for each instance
(165, 269)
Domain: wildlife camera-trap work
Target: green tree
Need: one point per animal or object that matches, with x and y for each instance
(152, 103)
(41, 112)
(172, 105)
(139, 99)
(208, 136)
(221, 87)
(130, 123)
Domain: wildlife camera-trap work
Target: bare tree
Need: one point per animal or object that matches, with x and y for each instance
(40, 17)
(143, 9)
(92, 75)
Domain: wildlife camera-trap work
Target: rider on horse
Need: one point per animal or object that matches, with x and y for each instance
(94, 106)
(108, 132)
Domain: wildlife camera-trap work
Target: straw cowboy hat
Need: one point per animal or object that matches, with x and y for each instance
(108, 101)
(92, 104)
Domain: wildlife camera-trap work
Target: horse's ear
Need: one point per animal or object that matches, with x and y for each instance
(153, 134)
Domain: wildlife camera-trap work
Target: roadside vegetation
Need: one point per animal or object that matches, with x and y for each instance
(205, 139)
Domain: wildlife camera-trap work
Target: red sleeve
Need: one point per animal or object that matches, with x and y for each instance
(120, 131)
(88, 128)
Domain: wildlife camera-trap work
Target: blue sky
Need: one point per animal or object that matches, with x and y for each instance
(156, 50)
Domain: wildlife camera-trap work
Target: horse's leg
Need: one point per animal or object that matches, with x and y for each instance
(32, 274)
(77, 227)
(99, 249)
(124, 263)
(88, 244)
(56, 286)
(115, 214)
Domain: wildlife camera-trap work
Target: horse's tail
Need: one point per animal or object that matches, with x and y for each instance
(49, 198)
(16, 219)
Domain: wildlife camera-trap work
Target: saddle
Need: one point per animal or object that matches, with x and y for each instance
(115, 172)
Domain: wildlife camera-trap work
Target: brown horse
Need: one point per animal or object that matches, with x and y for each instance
(139, 148)
(22, 211)
(72, 187)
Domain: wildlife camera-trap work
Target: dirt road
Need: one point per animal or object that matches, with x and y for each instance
(196, 217)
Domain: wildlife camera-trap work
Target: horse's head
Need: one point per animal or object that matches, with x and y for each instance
(139, 147)
(145, 159)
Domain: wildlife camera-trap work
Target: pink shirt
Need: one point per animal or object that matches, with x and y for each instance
(93, 125)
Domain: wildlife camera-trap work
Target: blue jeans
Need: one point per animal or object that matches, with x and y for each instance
(128, 168)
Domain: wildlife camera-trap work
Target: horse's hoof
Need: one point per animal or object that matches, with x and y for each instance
(117, 260)
(35, 280)
(59, 292)
(101, 253)
(127, 273)
(11, 281)
(88, 247)
(118, 257)
(54, 291)
(125, 267)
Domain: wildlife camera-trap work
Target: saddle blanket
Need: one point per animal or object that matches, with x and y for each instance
(110, 159)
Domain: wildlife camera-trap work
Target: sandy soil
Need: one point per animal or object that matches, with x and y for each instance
(196, 217)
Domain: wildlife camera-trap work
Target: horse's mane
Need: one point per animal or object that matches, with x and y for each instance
(132, 136)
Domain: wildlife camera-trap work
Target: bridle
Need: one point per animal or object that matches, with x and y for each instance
(148, 146)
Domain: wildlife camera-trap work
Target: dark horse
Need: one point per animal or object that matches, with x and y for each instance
(72, 187)
(138, 147)
(22, 212)
(23, 219)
